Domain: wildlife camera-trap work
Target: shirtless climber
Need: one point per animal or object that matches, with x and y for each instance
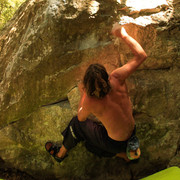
(106, 97)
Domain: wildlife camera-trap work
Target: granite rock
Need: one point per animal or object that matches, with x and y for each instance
(44, 52)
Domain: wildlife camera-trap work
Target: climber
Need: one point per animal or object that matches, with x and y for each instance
(106, 97)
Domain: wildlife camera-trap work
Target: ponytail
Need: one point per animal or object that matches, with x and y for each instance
(96, 81)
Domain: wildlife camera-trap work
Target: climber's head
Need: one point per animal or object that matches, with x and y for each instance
(96, 81)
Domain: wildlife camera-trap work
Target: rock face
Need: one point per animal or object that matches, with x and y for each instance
(44, 51)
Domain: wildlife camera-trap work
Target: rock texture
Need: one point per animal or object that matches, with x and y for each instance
(44, 51)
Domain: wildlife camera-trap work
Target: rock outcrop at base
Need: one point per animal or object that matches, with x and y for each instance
(44, 52)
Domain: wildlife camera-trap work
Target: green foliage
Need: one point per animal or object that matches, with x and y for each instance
(7, 10)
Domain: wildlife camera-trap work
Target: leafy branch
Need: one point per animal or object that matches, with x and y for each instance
(7, 10)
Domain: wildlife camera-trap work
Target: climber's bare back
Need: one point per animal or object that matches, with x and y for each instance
(114, 110)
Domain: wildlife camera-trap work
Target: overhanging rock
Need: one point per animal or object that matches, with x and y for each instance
(44, 51)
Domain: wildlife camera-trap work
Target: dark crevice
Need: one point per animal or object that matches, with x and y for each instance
(72, 88)
(55, 103)
(178, 148)
(158, 69)
(13, 122)
(5, 125)
(41, 39)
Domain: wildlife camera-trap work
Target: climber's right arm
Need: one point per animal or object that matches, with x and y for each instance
(139, 54)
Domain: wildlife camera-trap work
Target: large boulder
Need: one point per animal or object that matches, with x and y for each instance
(45, 50)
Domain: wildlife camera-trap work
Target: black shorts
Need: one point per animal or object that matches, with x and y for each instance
(95, 136)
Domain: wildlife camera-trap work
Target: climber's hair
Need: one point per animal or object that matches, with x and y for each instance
(96, 81)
